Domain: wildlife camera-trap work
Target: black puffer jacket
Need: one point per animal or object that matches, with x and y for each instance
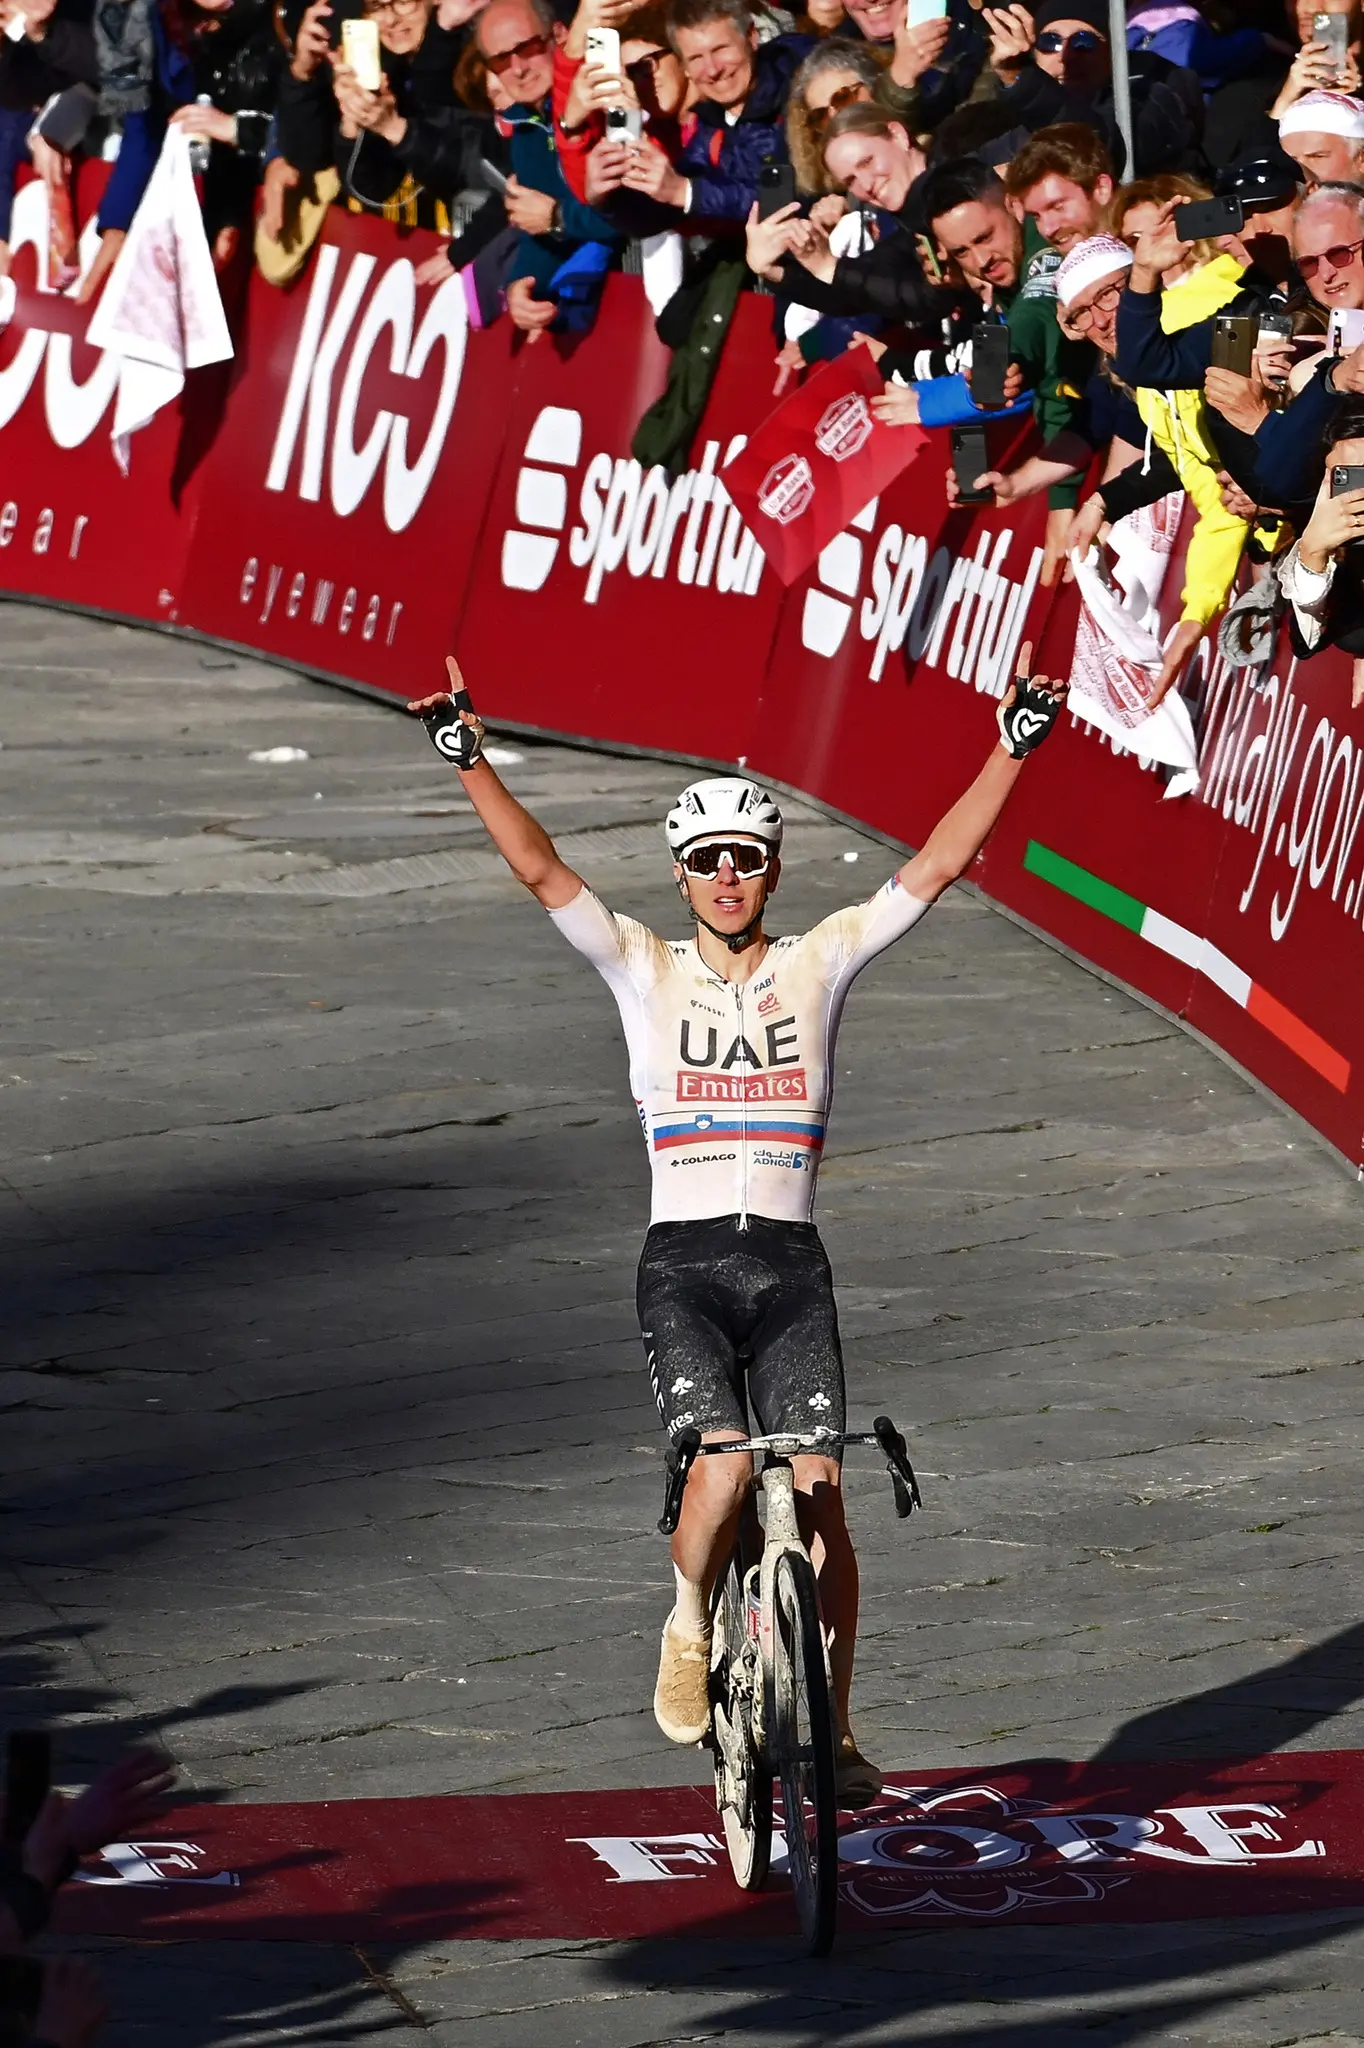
(1167, 113)
(238, 62)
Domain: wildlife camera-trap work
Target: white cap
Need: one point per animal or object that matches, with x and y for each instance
(1325, 113)
(1087, 263)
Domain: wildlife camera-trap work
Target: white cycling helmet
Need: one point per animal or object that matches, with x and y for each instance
(723, 803)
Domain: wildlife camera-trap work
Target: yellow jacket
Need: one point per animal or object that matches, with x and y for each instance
(1175, 419)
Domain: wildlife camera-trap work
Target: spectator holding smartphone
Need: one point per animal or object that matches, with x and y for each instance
(739, 88)
(402, 148)
(1004, 260)
(1322, 575)
(1069, 79)
(651, 85)
(935, 62)
(566, 247)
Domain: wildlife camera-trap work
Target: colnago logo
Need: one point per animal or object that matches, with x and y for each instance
(335, 327)
(917, 600)
(73, 406)
(628, 517)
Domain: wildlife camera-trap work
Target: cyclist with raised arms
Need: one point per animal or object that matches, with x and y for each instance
(731, 1042)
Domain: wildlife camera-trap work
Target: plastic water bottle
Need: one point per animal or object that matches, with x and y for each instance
(200, 146)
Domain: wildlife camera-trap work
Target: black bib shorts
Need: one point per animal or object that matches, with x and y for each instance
(740, 1327)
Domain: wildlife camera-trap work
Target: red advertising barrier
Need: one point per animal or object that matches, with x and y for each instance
(380, 484)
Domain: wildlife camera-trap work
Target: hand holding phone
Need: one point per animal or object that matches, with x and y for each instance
(360, 52)
(1206, 220)
(776, 187)
(1332, 31)
(989, 362)
(970, 459)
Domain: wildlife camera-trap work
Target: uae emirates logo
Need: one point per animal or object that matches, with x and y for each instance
(787, 490)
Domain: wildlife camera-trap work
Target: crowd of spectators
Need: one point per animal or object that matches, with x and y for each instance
(891, 176)
(58, 2001)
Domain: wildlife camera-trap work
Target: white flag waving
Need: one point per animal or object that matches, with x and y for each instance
(161, 311)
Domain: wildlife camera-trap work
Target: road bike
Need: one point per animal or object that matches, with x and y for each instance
(772, 1712)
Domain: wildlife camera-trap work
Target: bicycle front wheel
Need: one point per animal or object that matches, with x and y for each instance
(803, 1744)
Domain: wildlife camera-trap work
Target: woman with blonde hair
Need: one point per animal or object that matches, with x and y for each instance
(835, 75)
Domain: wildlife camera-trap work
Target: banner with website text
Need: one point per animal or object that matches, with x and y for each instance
(376, 483)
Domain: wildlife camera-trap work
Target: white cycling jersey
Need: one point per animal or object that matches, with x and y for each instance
(734, 1080)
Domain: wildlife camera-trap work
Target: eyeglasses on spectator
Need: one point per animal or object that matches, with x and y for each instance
(1339, 258)
(1103, 302)
(1051, 40)
(396, 10)
(523, 53)
(820, 117)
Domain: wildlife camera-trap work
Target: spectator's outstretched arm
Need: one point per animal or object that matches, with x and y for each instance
(1288, 444)
(1159, 361)
(457, 733)
(1026, 716)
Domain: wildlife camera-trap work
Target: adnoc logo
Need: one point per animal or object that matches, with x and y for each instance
(528, 556)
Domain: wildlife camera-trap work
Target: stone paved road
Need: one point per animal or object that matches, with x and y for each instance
(329, 1454)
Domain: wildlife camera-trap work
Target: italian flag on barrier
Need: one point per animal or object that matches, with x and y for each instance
(1200, 954)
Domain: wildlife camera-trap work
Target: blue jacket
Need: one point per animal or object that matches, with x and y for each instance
(144, 132)
(1290, 445)
(1190, 42)
(535, 162)
(723, 161)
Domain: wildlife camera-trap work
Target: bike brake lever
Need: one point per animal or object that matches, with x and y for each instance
(680, 1457)
(905, 1485)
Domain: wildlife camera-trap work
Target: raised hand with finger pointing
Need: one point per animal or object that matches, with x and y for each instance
(1030, 710)
(455, 727)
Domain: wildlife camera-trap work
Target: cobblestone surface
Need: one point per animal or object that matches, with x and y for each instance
(329, 1454)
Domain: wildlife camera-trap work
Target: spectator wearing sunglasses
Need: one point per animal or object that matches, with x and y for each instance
(1068, 77)
(936, 64)
(1328, 245)
(565, 247)
(739, 86)
(652, 83)
(838, 73)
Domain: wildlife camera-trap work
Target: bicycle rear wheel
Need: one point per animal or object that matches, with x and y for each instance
(743, 1777)
(803, 1749)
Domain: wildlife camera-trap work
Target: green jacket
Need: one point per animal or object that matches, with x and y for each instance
(1054, 367)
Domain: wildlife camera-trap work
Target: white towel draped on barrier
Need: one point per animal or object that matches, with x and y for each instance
(161, 310)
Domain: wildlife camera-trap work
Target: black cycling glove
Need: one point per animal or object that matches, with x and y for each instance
(452, 739)
(1025, 723)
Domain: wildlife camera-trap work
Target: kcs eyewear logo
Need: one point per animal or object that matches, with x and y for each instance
(629, 517)
(73, 406)
(330, 453)
(916, 598)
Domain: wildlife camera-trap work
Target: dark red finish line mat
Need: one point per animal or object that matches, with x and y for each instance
(1039, 1843)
